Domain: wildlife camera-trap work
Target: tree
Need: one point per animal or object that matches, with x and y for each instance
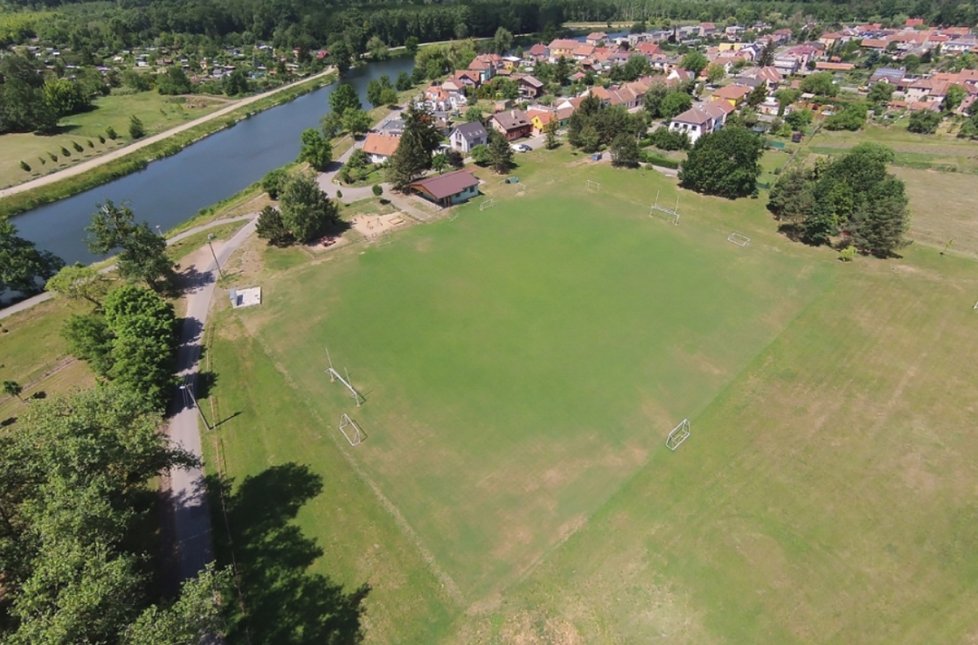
(79, 282)
(404, 82)
(955, 95)
(173, 81)
(715, 73)
(136, 128)
(819, 84)
(500, 154)
(480, 154)
(852, 117)
(411, 45)
(766, 59)
(502, 41)
(635, 67)
(273, 182)
(413, 154)
(675, 103)
(879, 95)
(377, 48)
(22, 267)
(90, 339)
(924, 122)
(344, 98)
(195, 617)
(879, 226)
(695, 62)
(624, 151)
(356, 122)
(316, 149)
(306, 210)
(271, 227)
(380, 90)
(64, 96)
(143, 252)
(590, 139)
(785, 97)
(757, 95)
(653, 100)
(724, 163)
(799, 119)
(13, 388)
(550, 130)
(473, 115)
(143, 328)
(236, 83)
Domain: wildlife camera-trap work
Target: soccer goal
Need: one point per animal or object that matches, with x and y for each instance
(351, 430)
(678, 435)
(671, 215)
(976, 306)
(336, 376)
(592, 186)
(739, 239)
(489, 203)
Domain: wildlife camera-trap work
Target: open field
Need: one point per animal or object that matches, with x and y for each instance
(522, 366)
(157, 113)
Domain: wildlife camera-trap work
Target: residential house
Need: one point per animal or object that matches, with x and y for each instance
(892, 75)
(485, 66)
(732, 94)
(960, 45)
(449, 189)
(826, 66)
(875, 44)
(380, 147)
(927, 90)
(529, 86)
(701, 119)
(540, 117)
(467, 136)
(512, 124)
(562, 47)
(596, 38)
(538, 52)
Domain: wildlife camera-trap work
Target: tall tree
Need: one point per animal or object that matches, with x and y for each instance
(306, 210)
(413, 154)
(695, 62)
(22, 267)
(500, 154)
(79, 282)
(12, 388)
(502, 41)
(624, 151)
(271, 227)
(143, 252)
(316, 149)
(551, 134)
(343, 98)
(724, 163)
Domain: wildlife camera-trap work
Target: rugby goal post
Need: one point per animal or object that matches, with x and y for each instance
(592, 186)
(678, 435)
(739, 239)
(671, 215)
(336, 376)
(486, 204)
(351, 430)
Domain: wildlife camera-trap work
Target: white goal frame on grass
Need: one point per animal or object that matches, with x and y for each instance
(351, 430)
(670, 214)
(678, 435)
(336, 376)
(739, 239)
(489, 203)
(976, 306)
(592, 186)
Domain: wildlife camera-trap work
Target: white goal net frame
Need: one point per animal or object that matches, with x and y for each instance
(671, 215)
(739, 239)
(336, 376)
(592, 186)
(487, 204)
(351, 430)
(678, 435)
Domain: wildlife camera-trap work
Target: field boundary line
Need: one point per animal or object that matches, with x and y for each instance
(447, 582)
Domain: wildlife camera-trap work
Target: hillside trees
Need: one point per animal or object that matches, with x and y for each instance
(724, 163)
(852, 195)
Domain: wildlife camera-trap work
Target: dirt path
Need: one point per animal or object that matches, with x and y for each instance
(85, 166)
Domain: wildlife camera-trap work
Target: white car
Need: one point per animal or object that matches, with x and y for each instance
(521, 147)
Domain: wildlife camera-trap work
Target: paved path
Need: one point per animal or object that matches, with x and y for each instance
(185, 487)
(24, 305)
(85, 166)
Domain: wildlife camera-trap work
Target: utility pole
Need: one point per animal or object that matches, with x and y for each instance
(210, 238)
(188, 390)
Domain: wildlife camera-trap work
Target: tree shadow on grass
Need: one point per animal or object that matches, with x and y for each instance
(282, 602)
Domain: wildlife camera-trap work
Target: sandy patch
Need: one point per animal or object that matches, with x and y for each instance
(373, 226)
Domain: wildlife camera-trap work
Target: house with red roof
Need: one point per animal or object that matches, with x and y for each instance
(448, 189)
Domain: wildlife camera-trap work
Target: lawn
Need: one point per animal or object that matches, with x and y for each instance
(157, 113)
(521, 367)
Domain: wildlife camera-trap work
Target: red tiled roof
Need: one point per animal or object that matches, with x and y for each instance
(383, 145)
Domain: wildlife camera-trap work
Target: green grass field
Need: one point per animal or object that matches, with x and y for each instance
(522, 366)
(156, 112)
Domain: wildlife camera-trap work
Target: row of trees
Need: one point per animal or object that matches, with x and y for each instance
(853, 196)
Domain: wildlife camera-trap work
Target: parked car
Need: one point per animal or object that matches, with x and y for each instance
(521, 147)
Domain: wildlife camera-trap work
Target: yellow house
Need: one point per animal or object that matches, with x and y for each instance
(731, 47)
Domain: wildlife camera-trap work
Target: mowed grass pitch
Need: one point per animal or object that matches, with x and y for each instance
(522, 366)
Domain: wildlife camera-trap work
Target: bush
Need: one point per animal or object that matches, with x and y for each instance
(924, 122)
(852, 117)
(136, 128)
(666, 139)
(101, 139)
(90, 144)
(377, 190)
(273, 182)
(480, 154)
(25, 166)
(658, 160)
(77, 146)
(64, 152)
(111, 133)
(53, 157)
